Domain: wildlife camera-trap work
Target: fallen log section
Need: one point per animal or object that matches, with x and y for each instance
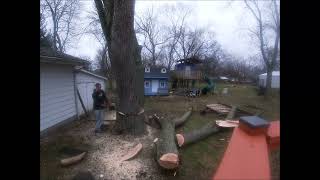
(132, 152)
(196, 135)
(153, 120)
(181, 120)
(203, 132)
(166, 148)
(72, 160)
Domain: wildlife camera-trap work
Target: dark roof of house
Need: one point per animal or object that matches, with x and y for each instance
(192, 60)
(155, 72)
(51, 56)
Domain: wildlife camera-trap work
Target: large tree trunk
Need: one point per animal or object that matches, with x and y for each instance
(201, 133)
(126, 63)
(166, 148)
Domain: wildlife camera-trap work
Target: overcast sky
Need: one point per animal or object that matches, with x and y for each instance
(229, 22)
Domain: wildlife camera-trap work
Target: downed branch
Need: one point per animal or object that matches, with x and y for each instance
(152, 121)
(196, 135)
(181, 120)
(166, 148)
(72, 160)
(203, 132)
(132, 152)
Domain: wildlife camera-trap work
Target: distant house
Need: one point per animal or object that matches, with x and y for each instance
(156, 81)
(275, 80)
(61, 76)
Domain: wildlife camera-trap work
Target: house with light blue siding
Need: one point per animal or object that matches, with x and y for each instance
(156, 81)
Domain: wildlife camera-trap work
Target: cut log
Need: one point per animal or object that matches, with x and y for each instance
(181, 120)
(72, 160)
(196, 135)
(228, 123)
(232, 113)
(166, 148)
(132, 152)
(203, 132)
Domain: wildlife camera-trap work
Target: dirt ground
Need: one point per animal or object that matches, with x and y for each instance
(199, 160)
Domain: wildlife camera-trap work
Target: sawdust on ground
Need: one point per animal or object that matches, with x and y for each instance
(106, 150)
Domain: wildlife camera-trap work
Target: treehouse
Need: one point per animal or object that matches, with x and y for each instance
(187, 71)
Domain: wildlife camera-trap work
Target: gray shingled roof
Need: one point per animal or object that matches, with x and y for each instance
(156, 73)
(51, 56)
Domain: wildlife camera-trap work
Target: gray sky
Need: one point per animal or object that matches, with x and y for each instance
(227, 21)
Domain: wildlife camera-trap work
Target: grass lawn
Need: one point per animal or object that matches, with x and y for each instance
(200, 160)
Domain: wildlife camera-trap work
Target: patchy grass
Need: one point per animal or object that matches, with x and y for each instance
(199, 160)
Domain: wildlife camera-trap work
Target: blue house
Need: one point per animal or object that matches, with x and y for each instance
(156, 81)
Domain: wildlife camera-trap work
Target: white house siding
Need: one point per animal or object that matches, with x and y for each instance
(275, 81)
(57, 97)
(86, 84)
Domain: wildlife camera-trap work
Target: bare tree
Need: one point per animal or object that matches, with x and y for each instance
(117, 23)
(63, 15)
(269, 52)
(149, 26)
(174, 31)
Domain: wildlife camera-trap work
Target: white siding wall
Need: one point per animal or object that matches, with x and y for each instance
(275, 81)
(57, 101)
(86, 84)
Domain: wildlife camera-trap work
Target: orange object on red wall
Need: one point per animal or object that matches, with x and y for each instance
(246, 157)
(273, 135)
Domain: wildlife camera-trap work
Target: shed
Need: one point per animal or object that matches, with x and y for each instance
(275, 80)
(59, 80)
(156, 81)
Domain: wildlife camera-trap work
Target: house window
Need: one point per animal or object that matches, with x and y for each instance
(147, 69)
(163, 70)
(162, 84)
(147, 84)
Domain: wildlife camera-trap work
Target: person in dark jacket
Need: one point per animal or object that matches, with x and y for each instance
(100, 102)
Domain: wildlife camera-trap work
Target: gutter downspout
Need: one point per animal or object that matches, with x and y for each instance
(75, 93)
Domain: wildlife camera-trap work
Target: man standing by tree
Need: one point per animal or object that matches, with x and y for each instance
(100, 101)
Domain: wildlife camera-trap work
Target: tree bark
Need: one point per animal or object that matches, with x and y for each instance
(199, 134)
(167, 154)
(181, 120)
(196, 135)
(126, 63)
